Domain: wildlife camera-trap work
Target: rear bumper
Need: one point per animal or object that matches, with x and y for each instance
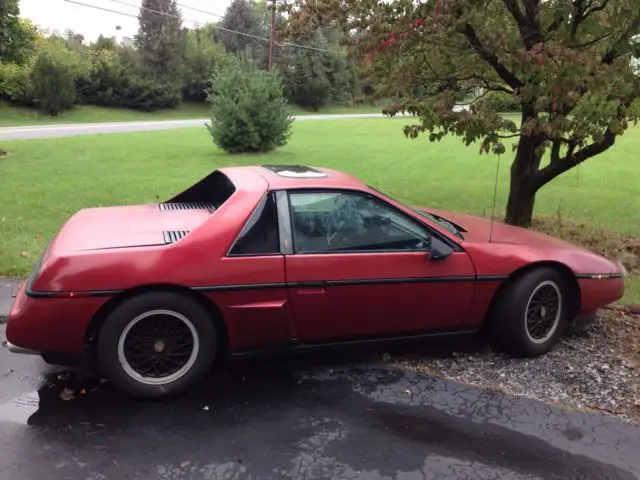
(25, 351)
(49, 325)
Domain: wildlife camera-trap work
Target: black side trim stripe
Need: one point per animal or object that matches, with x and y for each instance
(316, 284)
(384, 281)
(252, 286)
(311, 284)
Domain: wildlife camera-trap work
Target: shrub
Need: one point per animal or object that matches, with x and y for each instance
(249, 111)
(312, 92)
(201, 59)
(314, 79)
(104, 81)
(500, 102)
(14, 83)
(150, 94)
(111, 82)
(53, 76)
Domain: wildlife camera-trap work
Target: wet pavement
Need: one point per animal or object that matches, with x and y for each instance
(7, 289)
(311, 417)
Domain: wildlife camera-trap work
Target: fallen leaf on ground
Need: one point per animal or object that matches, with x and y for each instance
(25, 254)
(67, 394)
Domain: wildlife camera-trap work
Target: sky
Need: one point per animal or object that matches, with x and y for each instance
(90, 22)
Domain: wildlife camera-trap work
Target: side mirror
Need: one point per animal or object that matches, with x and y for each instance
(440, 253)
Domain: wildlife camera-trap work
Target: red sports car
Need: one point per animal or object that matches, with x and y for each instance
(264, 257)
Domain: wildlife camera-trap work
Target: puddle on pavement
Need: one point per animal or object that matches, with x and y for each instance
(57, 388)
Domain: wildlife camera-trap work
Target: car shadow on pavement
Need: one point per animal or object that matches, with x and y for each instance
(367, 408)
(70, 388)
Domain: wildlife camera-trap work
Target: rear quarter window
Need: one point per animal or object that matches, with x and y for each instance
(216, 188)
(259, 235)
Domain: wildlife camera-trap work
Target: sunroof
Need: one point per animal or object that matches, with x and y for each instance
(295, 171)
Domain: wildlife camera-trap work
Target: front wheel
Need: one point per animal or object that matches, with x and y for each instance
(530, 314)
(156, 344)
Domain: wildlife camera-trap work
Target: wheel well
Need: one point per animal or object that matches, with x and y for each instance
(569, 276)
(212, 309)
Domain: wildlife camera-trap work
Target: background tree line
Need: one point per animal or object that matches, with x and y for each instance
(168, 62)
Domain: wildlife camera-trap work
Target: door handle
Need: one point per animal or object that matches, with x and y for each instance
(311, 290)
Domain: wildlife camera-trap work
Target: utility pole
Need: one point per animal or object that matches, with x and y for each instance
(272, 33)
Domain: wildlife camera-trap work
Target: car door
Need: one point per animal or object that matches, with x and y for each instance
(360, 267)
(253, 298)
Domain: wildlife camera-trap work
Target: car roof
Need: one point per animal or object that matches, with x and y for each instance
(281, 177)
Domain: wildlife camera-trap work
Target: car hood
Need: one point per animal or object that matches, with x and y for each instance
(125, 226)
(515, 244)
(479, 229)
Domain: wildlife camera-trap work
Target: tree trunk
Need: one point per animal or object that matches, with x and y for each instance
(520, 206)
(522, 189)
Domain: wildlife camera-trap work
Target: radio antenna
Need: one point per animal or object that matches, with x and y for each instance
(495, 194)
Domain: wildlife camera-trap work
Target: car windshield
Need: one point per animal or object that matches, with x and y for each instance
(434, 218)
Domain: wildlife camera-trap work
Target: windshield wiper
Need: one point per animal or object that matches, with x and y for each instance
(452, 227)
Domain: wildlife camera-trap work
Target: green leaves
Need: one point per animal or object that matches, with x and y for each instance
(17, 35)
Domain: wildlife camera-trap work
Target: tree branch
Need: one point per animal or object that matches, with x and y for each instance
(571, 160)
(582, 12)
(597, 8)
(527, 21)
(592, 42)
(503, 72)
(516, 13)
(612, 54)
(555, 152)
(553, 26)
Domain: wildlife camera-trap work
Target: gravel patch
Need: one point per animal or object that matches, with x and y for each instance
(596, 369)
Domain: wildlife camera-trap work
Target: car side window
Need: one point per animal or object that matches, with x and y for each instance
(326, 222)
(259, 236)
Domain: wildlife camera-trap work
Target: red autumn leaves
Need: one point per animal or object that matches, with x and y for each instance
(394, 38)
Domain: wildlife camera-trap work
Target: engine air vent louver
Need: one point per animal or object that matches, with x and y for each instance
(186, 206)
(172, 236)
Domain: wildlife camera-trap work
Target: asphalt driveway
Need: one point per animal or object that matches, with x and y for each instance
(320, 416)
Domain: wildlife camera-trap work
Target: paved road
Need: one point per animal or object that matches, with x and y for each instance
(305, 417)
(67, 130)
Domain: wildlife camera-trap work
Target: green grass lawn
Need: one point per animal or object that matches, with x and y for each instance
(21, 116)
(45, 181)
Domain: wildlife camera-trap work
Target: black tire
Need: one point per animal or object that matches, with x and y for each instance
(172, 309)
(510, 326)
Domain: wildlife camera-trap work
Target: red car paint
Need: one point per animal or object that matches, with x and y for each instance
(101, 254)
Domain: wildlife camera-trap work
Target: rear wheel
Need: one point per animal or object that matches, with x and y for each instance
(531, 312)
(156, 344)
